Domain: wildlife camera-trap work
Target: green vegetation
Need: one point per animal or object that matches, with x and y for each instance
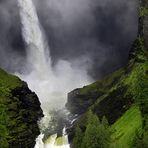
(7, 83)
(129, 86)
(122, 97)
(141, 140)
(125, 128)
(3, 129)
(103, 85)
(138, 80)
(77, 142)
(96, 135)
(17, 119)
(143, 11)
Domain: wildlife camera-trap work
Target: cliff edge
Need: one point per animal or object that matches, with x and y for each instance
(19, 113)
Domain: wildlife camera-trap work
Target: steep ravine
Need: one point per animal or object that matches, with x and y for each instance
(121, 97)
(19, 113)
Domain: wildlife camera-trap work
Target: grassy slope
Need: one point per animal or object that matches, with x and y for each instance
(125, 128)
(7, 83)
(134, 78)
(136, 81)
(103, 85)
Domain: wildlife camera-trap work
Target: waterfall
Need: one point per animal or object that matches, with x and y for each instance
(51, 84)
(38, 49)
(38, 56)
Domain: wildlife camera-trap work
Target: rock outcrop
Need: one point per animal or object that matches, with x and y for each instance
(106, 97)
(19, 113)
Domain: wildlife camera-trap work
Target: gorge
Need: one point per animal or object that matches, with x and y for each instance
(109, 113)
(53, 82)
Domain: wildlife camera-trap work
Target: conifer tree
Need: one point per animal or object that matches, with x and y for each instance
(78, 138)
(105, 122)
(97, 135)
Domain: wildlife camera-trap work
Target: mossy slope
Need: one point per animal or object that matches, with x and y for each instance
(19, 113)
(122, 90)
(122, 96)
(125, 128)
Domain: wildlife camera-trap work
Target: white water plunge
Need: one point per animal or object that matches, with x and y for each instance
(51, 84)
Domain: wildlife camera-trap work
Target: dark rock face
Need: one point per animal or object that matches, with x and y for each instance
(20, 112)
(114, 105)
(24, 111)
(78, 103)
(80, 100)
(28, 98)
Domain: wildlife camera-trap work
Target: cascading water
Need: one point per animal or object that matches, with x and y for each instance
(34, 37)
(50, 83)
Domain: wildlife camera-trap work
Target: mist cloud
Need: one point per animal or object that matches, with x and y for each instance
(11, 43)
(100, 30)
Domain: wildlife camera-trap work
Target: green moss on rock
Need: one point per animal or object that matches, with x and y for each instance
(9, 81)
(143, 11)
(19, 113)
